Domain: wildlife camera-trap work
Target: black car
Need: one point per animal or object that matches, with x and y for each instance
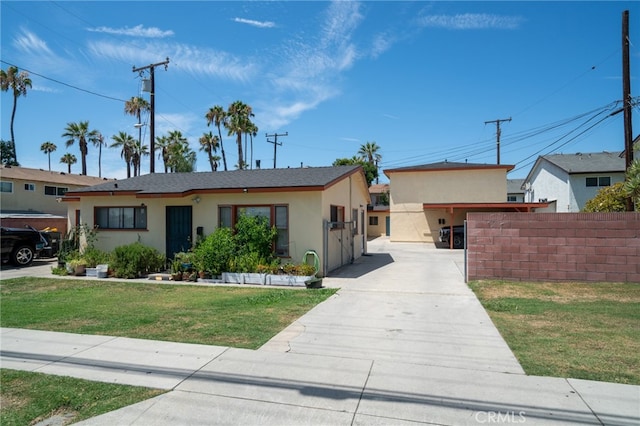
(21, 245)
(458, 236)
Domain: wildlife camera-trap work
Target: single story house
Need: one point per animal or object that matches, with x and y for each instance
(317, 208)
(427, 197)
(568, 181)
(32, 196)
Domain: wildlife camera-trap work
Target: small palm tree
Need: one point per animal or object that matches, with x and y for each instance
(126, 142)
(138, 152)
(218, 116)
(18, 82)
(48, 148)
(68, 159)
(80, 132)
(181, 158)
(209, 144)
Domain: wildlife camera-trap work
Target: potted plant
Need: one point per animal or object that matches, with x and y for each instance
(77, 265)
(176, 269)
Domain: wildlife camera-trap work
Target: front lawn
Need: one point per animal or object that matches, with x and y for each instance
(28, 398)
(578, 330)
(243, 317)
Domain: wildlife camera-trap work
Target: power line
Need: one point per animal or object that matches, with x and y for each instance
(63, 83)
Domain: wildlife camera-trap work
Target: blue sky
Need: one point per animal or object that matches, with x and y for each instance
(418, 78)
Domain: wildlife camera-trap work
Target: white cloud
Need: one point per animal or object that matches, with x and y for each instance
(259, 24)
(184, 57)
(471, 21)
(137, 31)
(29, 42)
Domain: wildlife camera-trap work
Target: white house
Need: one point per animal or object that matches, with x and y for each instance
(568, 181)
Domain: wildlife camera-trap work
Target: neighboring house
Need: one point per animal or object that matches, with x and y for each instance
(317, 208)
(515, 192)
(378, 211)
(570, 180)
(427, 197)
(32, 196)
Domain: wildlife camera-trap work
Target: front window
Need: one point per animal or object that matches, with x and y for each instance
(30, 187)
(276, 215)
(6, 187)
(121, 217)
(337, 217)
(598, 181)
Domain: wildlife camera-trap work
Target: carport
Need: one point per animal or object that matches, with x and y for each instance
(453, 208)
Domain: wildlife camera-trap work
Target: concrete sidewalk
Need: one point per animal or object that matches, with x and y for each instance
(403, 342)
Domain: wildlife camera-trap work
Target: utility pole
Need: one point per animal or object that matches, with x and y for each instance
(275, 144)
(626, 100)
(498, 121)
(152, 124)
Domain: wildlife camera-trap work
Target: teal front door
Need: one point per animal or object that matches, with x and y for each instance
(179, 228)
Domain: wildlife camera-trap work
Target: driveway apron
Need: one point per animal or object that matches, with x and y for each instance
(405, 303)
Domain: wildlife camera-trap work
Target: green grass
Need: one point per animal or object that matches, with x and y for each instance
(579, 330)
(225, 316)
(31, 397)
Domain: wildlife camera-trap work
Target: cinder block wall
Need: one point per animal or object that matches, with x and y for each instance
(593, 247)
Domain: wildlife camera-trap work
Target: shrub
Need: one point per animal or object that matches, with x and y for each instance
(134, 260)
(215, 252)
(253, 235)
(93, 257)
(300, 270)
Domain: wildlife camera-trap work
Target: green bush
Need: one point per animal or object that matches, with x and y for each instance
(94, 257)
(215, 252)
(134, 260)
(253, 235)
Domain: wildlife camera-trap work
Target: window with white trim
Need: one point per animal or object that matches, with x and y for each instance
(31, 187)
(6, 187)
(598, 181)
(57, 191)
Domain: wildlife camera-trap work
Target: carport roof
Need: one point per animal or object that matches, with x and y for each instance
(515, 207)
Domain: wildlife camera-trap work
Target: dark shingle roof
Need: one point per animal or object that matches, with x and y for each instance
(182, 183)
(514, 186)
(589, 162)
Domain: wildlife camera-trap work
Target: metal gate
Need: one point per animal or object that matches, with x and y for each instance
(338, 245)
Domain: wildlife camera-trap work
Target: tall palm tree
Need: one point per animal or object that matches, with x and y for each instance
(369, 151)
(80, 132)
(126, 142)
(162, 145)
(138, 151)
(218, 116)
(18, 82)
(48, 148)
(69, 159)
(252, 131)
(238, 123)
(135, 107)
(98, 141)
(209, 144)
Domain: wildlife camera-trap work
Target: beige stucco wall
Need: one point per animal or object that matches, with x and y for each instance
(342, 244)
(307, 211)
(409, 190)
(374, 231)
(36, 201)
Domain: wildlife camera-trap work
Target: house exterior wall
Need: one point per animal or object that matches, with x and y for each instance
(37, 201)
(581, 193)
(307, 211)
(409, 190)
(374, 231)
(345, 244)
(569, 191)
(592, 247)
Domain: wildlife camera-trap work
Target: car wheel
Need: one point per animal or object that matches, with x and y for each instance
(458, 241)
(23, 256)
